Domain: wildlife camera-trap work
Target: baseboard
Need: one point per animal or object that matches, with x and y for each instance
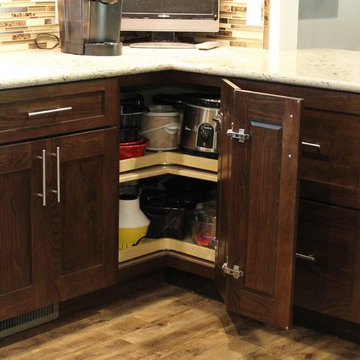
(327, 324)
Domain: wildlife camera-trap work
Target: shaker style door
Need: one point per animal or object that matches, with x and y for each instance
(23, 180)
(258, 192)
(83, 197)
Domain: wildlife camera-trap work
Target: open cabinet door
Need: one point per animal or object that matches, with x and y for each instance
(258, 191)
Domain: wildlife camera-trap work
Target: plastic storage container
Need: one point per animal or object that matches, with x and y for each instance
(161, 125)
(133, 223)
(204, 224)
(166, 220)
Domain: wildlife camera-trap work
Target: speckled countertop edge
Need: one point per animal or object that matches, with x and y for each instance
(321, 68)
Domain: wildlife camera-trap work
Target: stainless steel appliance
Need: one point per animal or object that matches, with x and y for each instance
(199, 125)
(90, 27)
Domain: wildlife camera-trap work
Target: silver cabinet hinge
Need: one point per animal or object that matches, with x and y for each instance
(216, 245)
(218, 118)
(235, 271)
(239, 135)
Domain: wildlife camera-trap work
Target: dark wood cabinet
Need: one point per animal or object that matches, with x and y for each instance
(59, 206)
(330, 132)
(327, 277)
(22, 252)
(83, 244)
(60, 142)
(328, 227)
(250, 196)
(258, 182)
(37, 112)
(330, 170)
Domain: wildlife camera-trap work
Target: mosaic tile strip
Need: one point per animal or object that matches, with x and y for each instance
(21, 21)
(233, 28)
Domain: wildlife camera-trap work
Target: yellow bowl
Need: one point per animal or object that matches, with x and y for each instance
(129, 236)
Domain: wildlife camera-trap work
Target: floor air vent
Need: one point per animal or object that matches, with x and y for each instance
(28, 320)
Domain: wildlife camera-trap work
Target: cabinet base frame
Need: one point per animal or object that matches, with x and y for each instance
(28, 320)
(327, 324)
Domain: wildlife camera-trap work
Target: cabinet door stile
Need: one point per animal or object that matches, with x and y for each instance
(41, 218)
(261, 196)
(229, 162)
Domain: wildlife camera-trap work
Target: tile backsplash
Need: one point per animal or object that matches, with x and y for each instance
(234, 30)
(21, 21)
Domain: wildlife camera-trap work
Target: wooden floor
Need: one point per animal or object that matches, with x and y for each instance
(169, 323)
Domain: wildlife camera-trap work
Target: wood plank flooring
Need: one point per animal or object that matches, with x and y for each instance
(169, 323)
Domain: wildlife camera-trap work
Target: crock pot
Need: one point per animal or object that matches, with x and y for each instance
(199, 129)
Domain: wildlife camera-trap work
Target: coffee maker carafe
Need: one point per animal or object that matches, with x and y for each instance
(90, 27)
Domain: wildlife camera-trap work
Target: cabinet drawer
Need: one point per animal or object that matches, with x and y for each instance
(330, 164)
(48, 110)
(328, 284)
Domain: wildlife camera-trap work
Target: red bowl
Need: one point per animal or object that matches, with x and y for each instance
(131, 150)
(136, 142)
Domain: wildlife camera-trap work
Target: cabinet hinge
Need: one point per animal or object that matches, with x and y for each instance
(235, 271)
(218, 118)
(239, 135)
(216, 245)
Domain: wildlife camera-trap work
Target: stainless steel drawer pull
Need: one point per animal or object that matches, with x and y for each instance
(311, 144)
(57, 191)
(50, 111)
(305, 257)
(43, 194)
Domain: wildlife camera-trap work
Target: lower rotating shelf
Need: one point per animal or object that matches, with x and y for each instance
(149, 246)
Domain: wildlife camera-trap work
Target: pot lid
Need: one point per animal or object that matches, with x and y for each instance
(203, 99)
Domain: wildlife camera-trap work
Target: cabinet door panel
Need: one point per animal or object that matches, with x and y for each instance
(258, 203)
(263, 207)
(15, 230)
(78, 193)
(85, 238)
(21, 261)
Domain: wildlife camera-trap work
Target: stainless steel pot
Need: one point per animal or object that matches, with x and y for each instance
(199, 129)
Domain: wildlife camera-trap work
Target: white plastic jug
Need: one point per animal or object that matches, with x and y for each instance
(133, 223)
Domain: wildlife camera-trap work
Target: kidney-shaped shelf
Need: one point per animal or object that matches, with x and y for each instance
(161, 163)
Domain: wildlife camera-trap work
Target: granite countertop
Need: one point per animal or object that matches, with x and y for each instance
(323, 68)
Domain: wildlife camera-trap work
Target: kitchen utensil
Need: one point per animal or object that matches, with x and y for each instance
(199, 129)
(90, 27)
(130, 150)
(161, 125)
(131, 115)
(130, 134)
